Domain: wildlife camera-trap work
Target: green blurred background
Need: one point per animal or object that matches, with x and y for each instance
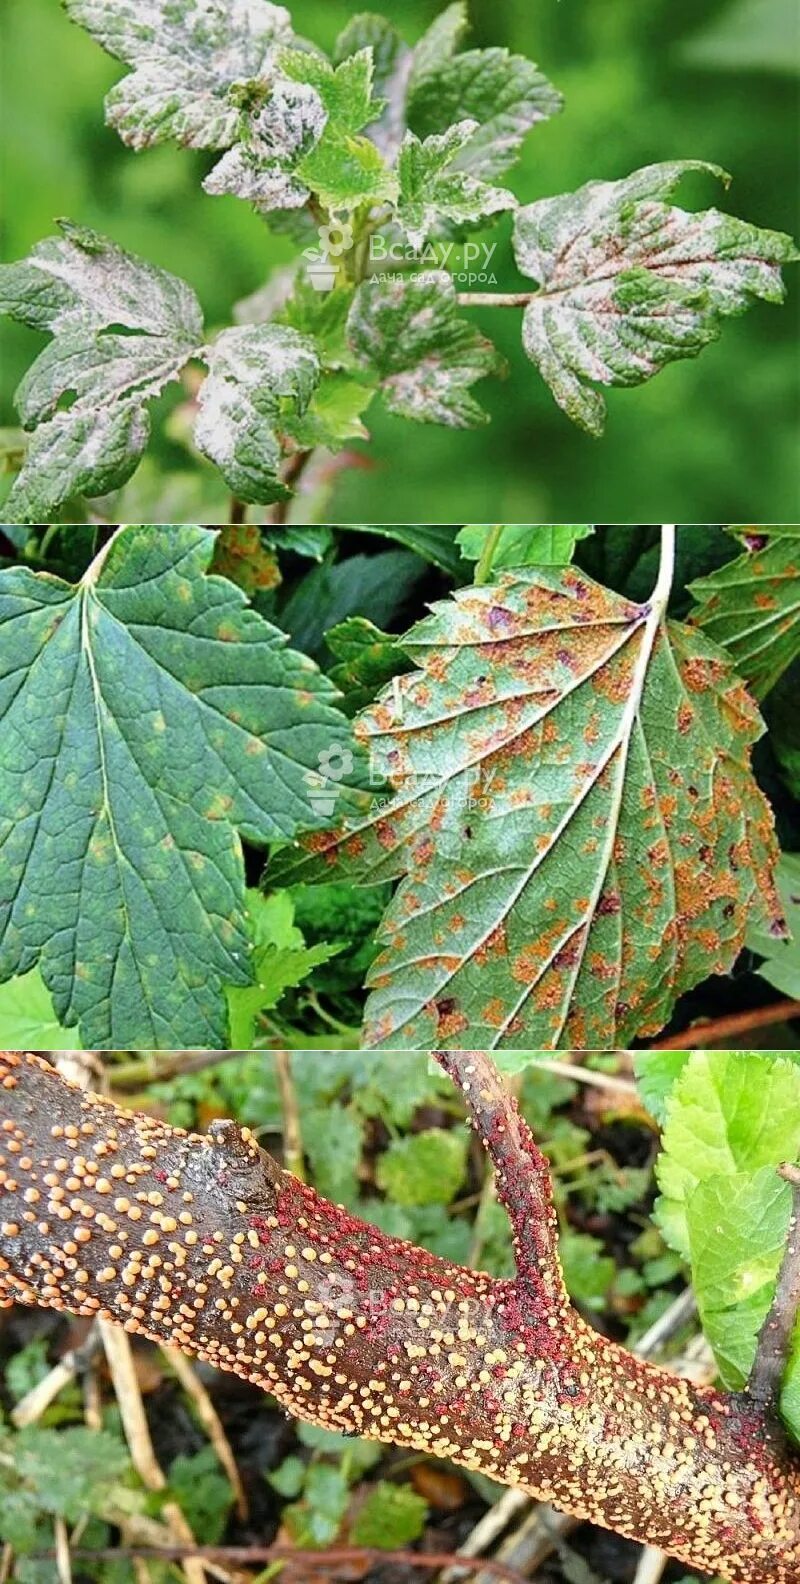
(712, 440)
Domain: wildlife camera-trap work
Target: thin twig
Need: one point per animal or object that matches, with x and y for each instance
(339, 1556)
(776, 1333)
(719, 1030)
(137, 1434)
(63, 1564)
(292, 473)
(585, 1075)
(211, 1422)
(35, 1402)
(495, 299)
(292, 1135)
(652, 1566)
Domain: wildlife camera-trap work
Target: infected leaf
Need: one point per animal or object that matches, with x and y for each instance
(629, 283)
(752, 605)
(575, 825)
(433, 189)
(186, 59)
(147, 717)
(259, 376)
(408, 331)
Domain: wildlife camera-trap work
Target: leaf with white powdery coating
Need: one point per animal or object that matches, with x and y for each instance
(576, 827)
(148, 718)
(263, 166)
(343, 168)
(752, 605)
(409, 332)
(186, 58)
(630, 283)
(432, 189)
(78, 286)
(260, 377)
(505, 94)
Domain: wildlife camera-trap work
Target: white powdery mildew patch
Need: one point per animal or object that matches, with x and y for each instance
(252, 371)
(186, 55)
(432, 189)
(110, 286)
(630, 282)
(284, 129)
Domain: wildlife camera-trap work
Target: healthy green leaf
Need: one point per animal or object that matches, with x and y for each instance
(505, 94)
(629, 282)
(391, 1516)
(781, 965)
(752, 605)
(435, 542)
(657, 1072)
(82, 288)
(588, 844)
(423, 1168)
(186, 59)
(146, 716)
(260, 377)
(280, 958)
(203, 1493)
(433, 189)
(328, 594)
(392, 59)
(27, 1019)
(343, 169)
(427, 358)
(333, 1136)
(730, 1113)
(333, 415)
(367, 659)
(737, 1227)
(524, 544)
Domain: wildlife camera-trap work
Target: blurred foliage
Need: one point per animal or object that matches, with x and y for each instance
(672, 79)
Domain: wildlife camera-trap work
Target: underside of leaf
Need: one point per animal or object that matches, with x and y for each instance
(575, 824)
(630, 283)
(752, 605)
(146, 718)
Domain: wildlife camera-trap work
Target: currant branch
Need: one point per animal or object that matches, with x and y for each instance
(205, 1243)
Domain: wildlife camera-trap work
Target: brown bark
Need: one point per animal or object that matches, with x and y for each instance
(205, 1243)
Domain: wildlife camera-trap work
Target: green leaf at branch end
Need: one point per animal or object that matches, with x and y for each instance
(524, 544)
(78, 286)
(433, 189)
(148, 719)
(427, 358)
(186, 59)
(752, 605)
(629, 283)
(343, 168)
(588, 844)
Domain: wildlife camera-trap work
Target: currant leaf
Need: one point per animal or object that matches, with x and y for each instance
(630, 283)
(752, 605)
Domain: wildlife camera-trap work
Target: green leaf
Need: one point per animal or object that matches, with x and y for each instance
(146, 717)
(737, 1227)
(588, 845)
(588, 1271)
(333, 415)
(781, 965)
(435, 542)
(746, 36)
(79, 286)
(524, 544)
(260, 378)
(203, 1493)
(186, 58)
(729, 1113)
(505, 94)
(657, 1073)
(433, 189)
(288, 1478)
(391, 1516)
(333, 1136)
(328, 594)
(342, 168)
(629, 282)
(427, 357)
(423, 1168)
(367, 659)
(27, 1019)
(752, 605)
(315, 1521)
(392, 59)
(280, 960)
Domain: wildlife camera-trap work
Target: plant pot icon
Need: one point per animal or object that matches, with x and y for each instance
(322, 273)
